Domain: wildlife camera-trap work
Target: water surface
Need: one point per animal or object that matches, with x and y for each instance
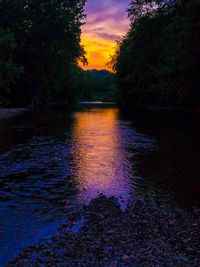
(54, 159)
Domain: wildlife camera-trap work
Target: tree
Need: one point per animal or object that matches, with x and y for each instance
(9, 71)
(47, 45)
(157, 61)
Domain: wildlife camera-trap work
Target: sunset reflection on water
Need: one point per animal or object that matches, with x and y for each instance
(101, 160)
(51, 159)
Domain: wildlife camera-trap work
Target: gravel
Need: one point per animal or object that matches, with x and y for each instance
(101, 234)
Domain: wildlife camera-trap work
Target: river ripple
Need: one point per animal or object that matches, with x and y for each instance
(53, 160)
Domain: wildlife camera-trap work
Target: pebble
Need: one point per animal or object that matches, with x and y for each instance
(112, 237)
(126, 257)
(114, 264)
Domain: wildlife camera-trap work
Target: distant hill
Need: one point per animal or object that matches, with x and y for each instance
(99, 85)
(100, 73)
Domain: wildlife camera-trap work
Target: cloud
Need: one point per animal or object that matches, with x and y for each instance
(95, 54)
(106, 22)
(108, 36)
(99, 44)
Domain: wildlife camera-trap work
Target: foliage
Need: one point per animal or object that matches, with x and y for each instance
(157, 61)
(8, 70)
(99, 85)
(47, 35)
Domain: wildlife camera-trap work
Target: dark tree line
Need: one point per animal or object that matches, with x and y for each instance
(158, 60)
(99, 85)
(39, 51)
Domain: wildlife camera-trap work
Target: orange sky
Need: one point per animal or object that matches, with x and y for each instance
(106, 22)
(98, 51)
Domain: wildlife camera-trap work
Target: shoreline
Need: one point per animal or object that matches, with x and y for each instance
(6, 113)
(101, 234)
(180, 109)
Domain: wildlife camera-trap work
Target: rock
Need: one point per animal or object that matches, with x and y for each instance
(138, 236)
(110, 232)
(107, 249)
(115, 201)
(126, 257)
(114, 264)
(189, 250)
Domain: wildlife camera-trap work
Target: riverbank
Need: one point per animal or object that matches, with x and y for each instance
(11, 112)
(101, 234)
(128, 109)
(181, 109)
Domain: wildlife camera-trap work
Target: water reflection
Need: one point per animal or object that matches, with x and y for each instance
(53, 158)
(101, 160)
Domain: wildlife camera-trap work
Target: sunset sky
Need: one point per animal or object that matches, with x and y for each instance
(106, 22)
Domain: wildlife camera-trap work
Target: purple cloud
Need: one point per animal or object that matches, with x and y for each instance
(106, 22)
(106, 18)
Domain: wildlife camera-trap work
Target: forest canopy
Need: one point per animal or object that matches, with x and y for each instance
(99, 85)
(157, 62)
(39, 51)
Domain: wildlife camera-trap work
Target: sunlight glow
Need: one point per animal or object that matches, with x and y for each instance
(106, 23)
(98, 51)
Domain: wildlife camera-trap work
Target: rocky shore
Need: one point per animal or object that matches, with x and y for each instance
(101, 234)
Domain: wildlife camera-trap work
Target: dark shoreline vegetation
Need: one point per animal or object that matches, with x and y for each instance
(101, 234)
(39, 54)
(157, 62)
(40, 47)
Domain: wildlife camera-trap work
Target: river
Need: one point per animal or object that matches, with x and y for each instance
(54, 159)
